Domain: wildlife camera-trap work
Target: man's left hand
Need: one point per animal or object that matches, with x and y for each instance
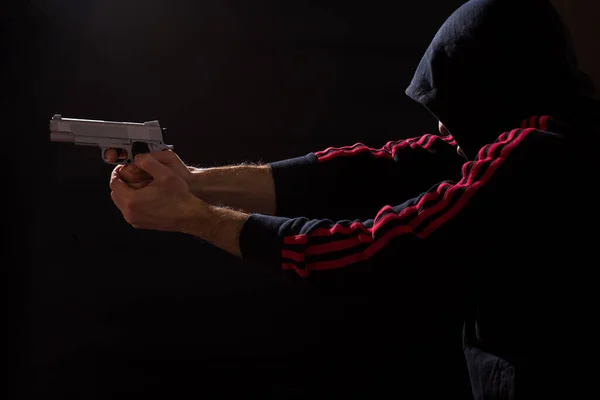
(165, 204)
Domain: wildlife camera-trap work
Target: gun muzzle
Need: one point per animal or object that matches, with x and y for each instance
(62, 137)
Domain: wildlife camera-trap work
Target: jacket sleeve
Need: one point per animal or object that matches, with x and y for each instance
(353, 181)
(310, 247)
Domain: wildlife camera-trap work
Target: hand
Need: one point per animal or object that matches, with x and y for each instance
(165, 203)
(137, 178)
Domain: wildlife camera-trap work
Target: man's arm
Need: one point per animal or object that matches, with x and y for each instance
(311, 247)
(245, 187)
(357, 177)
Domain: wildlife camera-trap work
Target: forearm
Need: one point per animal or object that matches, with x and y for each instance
(246, 187)
(219, 226)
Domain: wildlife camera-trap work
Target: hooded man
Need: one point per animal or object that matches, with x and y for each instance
(473, 229)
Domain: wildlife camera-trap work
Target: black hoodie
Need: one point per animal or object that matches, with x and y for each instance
(493, 64)
(480, 245)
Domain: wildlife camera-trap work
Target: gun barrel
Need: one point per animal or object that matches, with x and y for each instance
(62, 137)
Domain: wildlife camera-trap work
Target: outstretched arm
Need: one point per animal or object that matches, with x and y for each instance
(313, 246)
(446, 213)
(349, 182)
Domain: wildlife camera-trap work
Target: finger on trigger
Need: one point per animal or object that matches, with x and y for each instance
(110, 155)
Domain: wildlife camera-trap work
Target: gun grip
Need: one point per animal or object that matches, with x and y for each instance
(139, 148)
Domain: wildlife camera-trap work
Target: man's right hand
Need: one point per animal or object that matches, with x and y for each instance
(245, 187)
(137, 178)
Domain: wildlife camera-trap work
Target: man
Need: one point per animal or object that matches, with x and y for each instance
(479, 234)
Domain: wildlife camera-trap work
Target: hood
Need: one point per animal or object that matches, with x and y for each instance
(495, 63)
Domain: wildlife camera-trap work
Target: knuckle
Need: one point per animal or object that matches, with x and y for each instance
(127, 177)
(129, 170)
(166, 156)
(170, 177)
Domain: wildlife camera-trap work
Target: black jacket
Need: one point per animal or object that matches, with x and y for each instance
(493, 244)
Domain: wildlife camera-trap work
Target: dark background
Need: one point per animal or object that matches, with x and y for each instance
(96, 308)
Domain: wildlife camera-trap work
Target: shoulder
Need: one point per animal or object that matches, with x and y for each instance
(537, 140)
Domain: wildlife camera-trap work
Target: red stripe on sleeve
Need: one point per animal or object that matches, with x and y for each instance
(292, 255)
(297, 239)
(438, 200)
(292, 267)
(432, 195)
(387, 151)
(540, 123)
(449, 139)
(532, 122)
(544, 123)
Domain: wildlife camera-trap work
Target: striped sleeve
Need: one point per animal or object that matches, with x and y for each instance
(536, 122)
(308, 246)
(353, 181)
(425, 142)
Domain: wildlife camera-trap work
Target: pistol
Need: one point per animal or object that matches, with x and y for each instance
(128, 138)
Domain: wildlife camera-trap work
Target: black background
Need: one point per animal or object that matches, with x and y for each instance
(95, 307)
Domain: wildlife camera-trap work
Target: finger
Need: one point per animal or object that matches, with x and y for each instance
(118, 185)
(110, 155)
(118, 201)
(132, 174)
(116, 172)
(148, 163)
(139, 185)
(172, 160)
(136, 181)
(167, 157)
(113, 155)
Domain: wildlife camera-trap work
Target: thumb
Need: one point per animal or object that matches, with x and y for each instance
(167, 157)
(172, 160)
(151, 165)
(117, 184)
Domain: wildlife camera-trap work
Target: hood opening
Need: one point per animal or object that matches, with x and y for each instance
(495, 63)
